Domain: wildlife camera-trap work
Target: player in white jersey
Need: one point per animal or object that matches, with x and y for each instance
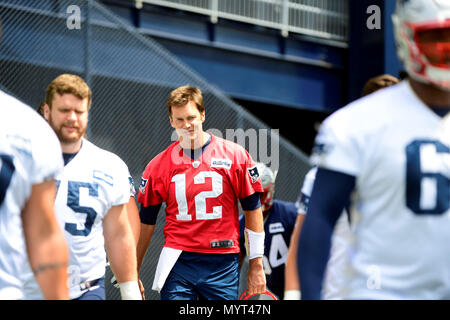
(30, 157)
(132, 209)
(334, 281)
(382, 153)
(93, 193)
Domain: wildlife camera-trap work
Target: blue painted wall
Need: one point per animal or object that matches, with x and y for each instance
(249, 62)
(258, 64)
(392, 65)
(371, 51)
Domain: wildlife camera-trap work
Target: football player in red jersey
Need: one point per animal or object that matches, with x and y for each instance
(201, 178)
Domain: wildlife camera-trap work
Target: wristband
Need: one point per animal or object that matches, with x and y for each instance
(254, 243)
(130, 290)
(292, 295)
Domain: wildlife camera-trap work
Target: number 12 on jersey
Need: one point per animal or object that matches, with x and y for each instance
(200, 199)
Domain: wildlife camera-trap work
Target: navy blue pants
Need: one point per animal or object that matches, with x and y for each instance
(200, 276)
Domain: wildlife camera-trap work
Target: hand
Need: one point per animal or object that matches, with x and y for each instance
(378, 82)
(141, 287)
(385, 80)
(256, 279)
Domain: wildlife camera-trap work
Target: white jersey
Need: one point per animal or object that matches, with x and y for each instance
(400, 206)
(91, 183)
(445, 129)
(334, 280)
(30, 154)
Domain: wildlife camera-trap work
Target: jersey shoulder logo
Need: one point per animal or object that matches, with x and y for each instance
(132, 189)
(254, 174)
(142, 185)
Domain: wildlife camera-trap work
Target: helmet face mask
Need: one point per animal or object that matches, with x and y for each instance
(422, 32)
(437, 52)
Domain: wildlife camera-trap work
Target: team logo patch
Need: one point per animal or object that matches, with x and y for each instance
(321, 149)
(254, 174)
(276, 227)
(221, 163)
(302, 203)
(142, 185)
(132, 189)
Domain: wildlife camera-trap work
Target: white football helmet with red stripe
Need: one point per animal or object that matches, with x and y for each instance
(267, 177)
(426, 60)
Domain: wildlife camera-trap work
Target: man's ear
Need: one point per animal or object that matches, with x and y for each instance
(46, 111)
(171, 122)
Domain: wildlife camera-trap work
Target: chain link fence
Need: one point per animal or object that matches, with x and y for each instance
(130, 76)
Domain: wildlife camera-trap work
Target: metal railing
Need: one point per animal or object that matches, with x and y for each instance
(326, 19)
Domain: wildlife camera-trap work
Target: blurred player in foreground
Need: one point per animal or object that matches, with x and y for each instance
(391, 167)
(334, 281)
(91, 202)
(279, 219)
(30, 158)
(201, 178)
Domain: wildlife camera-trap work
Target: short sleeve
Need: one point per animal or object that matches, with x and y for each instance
(151, 190)
(337, 145)
(46, 152)
(305, 193)
(249, 180)
(132, 187)
(121, 183)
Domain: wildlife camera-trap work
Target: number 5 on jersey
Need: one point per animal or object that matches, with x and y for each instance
(200, 199)
(73, 202)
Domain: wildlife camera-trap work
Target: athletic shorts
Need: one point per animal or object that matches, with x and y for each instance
(203, 276)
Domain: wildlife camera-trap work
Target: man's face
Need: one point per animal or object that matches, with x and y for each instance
(187, 121)
(68, 117)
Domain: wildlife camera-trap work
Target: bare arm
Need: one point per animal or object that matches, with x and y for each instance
(120, 244)
(46, 246)
(143, 243)
(133, 218)
(291, 272)
(256, 279)
(145, 237)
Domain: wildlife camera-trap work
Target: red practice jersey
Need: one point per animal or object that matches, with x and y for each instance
(201, 195)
